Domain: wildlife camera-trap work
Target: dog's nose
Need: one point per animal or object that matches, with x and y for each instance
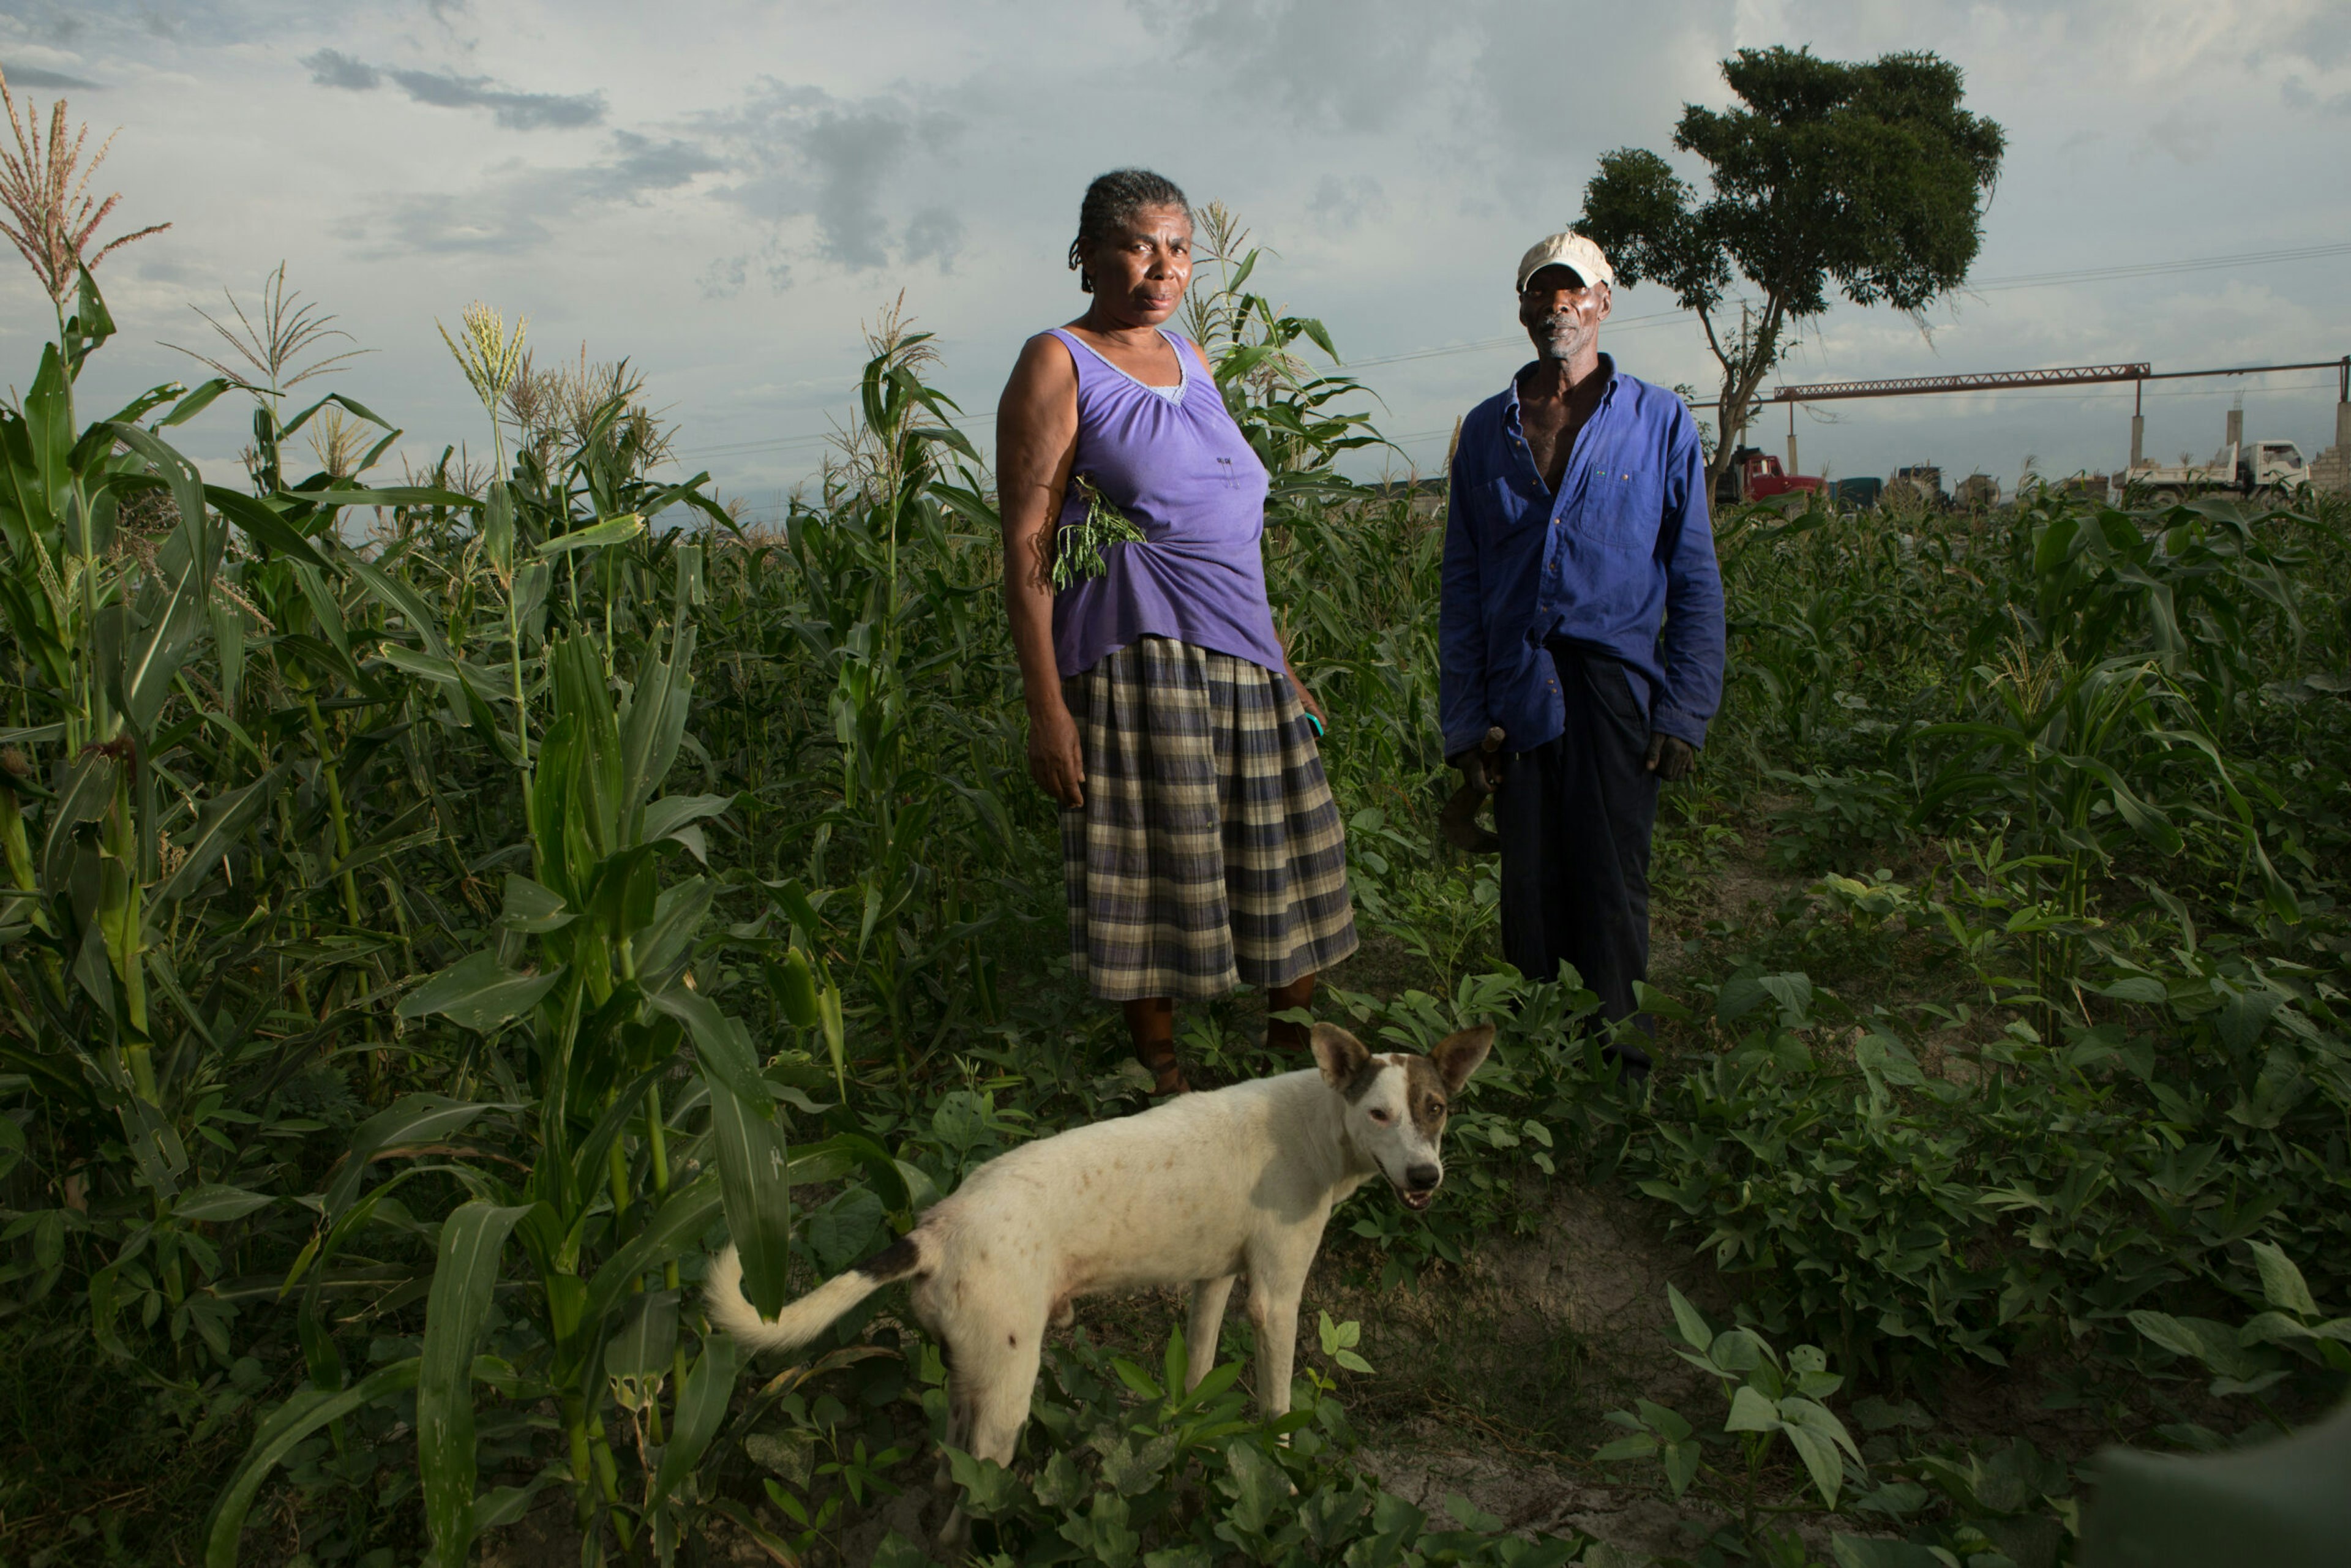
(1422, 1178)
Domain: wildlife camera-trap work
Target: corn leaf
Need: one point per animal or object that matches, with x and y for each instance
(478, 993)
(465, 1273)
(264, 527)
(657, 723)
(610, 532)
(701, 1406)
(290, 1424)
(755, 1180)
(676, 1224)
(411, 1119)
(221, 821)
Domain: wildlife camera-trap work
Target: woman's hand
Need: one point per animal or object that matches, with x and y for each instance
(1055, 759)
(1306, 700)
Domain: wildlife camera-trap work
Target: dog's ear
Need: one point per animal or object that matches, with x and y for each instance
(1340, 1055)
(1458, 1055)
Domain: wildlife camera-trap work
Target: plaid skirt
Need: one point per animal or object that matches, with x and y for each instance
(1209, 852)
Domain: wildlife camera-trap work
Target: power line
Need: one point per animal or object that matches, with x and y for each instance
(1988, 286)
(1630, 323)
(2159, 268)
(1633, 323)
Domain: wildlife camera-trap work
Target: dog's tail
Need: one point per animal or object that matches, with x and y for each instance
(803, 1320)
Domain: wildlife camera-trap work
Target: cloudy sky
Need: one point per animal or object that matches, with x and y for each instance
(722, 191)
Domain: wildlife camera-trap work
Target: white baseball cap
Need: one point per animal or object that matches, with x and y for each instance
(1571, 251)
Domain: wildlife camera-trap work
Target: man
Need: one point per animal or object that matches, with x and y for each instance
(1582, 616)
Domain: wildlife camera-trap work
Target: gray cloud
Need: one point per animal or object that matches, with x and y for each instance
(34, 75)
(2186, 137)
(1343, 204)
(934, 233)
(59, 24)
(1355, 65)
(516, 212)
(786, 153)
(800, 151)
(332, 68)
(2324, 39)
(445, 89)
(2294, 93)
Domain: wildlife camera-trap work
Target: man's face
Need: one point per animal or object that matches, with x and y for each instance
(1561, 313)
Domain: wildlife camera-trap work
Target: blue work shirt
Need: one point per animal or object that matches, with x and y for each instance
(1620, 563)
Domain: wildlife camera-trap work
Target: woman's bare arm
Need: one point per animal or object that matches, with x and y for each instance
(1036, 441)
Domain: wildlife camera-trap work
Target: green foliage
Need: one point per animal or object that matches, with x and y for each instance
(1282, 410)
(1766, 1396)
(2031, 1195)
(2011, 1501)
(2248, 1361)
(414, 957)
(1078, 547)
(1127, 1467)
(1868, 176)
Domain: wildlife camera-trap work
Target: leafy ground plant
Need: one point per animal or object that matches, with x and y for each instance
(1132, 1468)
(1766, 1396)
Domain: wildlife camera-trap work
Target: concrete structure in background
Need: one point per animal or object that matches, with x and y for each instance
(2331, 470)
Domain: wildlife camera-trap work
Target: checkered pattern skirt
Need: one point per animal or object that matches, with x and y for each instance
(1209, 852)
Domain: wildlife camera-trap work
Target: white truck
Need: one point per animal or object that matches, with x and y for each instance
(2244, 466)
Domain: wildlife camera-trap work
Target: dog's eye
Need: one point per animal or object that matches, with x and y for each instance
(1380, 1117)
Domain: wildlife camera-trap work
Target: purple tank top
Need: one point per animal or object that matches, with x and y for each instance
(1172, 459)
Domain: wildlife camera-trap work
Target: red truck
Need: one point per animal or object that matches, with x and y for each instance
(1755, 475)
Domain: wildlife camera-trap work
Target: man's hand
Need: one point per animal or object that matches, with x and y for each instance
(1481, 770)
(1055, 759)
(1671, 759)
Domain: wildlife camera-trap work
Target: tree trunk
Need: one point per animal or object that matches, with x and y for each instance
(1741, 373)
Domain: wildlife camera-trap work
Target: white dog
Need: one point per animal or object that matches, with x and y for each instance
(1194, 1191)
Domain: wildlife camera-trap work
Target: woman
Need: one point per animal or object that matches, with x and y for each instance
(1200, 842)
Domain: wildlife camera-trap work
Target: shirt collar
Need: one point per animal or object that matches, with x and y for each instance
(1511, 393)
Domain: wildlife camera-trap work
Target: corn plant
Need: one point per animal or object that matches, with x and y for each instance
(1283, 410)
(894, 648)
(108, 617)
(589, 965)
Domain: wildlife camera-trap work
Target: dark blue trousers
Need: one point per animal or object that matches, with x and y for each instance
(1575, 816)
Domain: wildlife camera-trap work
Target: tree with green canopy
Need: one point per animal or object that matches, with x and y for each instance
(1867, 175)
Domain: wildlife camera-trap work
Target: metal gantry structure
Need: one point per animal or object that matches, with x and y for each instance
(2138, 372)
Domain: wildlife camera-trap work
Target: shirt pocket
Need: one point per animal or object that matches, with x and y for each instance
(1620, 507)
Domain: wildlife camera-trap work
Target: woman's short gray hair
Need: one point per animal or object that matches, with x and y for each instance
(1112, 202)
